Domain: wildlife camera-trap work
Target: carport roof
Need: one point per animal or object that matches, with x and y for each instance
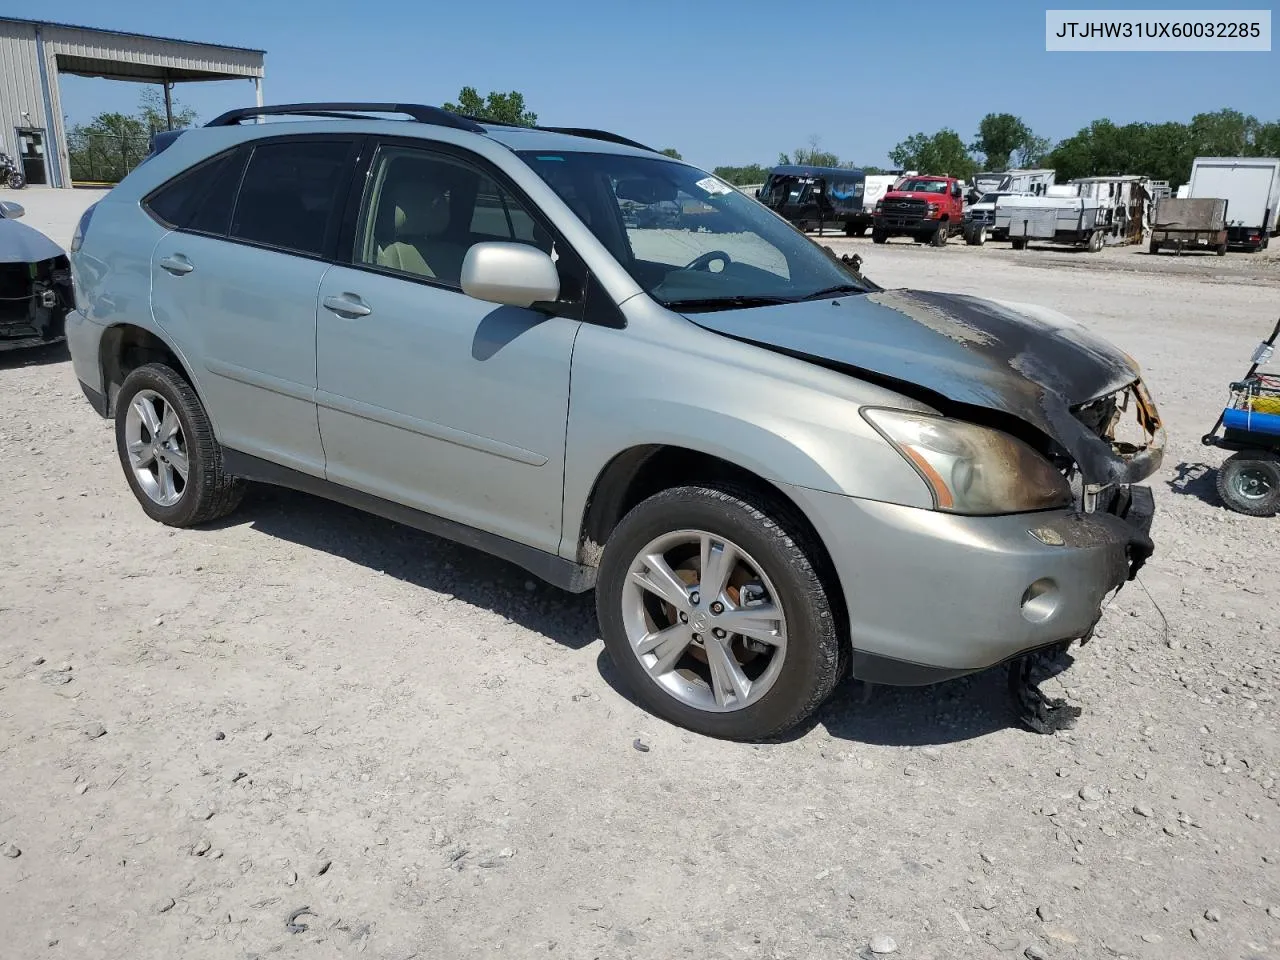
(126, 33)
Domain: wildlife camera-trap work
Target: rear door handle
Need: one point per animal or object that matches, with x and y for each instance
(347, 305)
(178, 265)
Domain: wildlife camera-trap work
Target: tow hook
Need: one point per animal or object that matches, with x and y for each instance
(1036, 711)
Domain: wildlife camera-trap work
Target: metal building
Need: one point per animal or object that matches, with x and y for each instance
(33, 54)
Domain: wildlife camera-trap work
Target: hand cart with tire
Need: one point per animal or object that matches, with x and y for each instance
(1249, 480)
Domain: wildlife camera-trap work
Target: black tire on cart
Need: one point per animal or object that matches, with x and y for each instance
(1221, 250)
(1095, 241)
(1153, 247)
(1249, 483)
(1018, 243)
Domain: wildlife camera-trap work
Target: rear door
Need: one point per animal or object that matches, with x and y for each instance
(239, 279)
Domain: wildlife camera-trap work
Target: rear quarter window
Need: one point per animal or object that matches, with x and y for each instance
(176, 202)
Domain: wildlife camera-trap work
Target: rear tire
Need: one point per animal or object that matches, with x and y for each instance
(1249, 483)
(1221, 250)
(1095, 241)
(1153, 247)
(1018, 243)
(17, 181)
(207, 492)
(768, 542)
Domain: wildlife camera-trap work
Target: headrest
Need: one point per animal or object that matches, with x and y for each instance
(421, 208)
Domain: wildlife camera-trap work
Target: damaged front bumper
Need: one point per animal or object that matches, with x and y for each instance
(34, 299)
(931, 596)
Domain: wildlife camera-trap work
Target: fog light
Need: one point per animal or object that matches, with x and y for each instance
(1040, 600)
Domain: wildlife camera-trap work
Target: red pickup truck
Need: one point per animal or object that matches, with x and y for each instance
(929, 209)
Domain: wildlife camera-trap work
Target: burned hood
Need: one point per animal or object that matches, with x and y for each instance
(1027, 362)
(20, 243)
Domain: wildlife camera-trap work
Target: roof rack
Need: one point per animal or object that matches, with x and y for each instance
(349, 111)
(415, 111)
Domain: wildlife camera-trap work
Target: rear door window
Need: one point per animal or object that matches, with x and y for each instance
(291, 194)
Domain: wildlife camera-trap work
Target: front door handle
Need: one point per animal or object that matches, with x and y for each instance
(347, 305)
(178, 265)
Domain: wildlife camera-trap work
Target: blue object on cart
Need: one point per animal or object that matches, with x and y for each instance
(1234, 419)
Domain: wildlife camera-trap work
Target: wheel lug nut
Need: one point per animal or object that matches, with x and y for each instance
(695, 597)
(719, 633)
(684, 618)
(697, 638)
(717, 607)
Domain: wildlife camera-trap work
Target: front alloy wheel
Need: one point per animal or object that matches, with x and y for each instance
(714, 605)
(702, 619)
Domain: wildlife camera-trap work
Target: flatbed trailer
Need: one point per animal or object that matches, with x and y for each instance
(1190, 224)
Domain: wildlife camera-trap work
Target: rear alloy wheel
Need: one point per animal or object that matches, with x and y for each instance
(1249, 483)
(1095, 241)
(714, 615)
(168, 451)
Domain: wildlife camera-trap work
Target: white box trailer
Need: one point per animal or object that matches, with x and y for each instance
(1251, 187)
(1072, 220)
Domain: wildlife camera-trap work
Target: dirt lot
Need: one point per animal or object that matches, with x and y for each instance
(203, 732)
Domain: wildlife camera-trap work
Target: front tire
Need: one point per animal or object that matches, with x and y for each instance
(939, 237)
(879, 236)
(167, 448)
(1249, 483)
(17, 181)
(715, 615)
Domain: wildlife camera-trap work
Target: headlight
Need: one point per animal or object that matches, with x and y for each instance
(933, 209)
(972, 469)
(879, 206)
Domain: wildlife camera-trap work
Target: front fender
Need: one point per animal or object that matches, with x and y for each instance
(782, 419)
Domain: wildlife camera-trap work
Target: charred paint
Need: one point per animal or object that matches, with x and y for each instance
(970, 351)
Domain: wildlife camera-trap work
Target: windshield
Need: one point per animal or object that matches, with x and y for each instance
(923, 186)
(992, 197)
(688, 239)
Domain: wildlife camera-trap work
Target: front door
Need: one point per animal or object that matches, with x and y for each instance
(31, 155)
(428, 397)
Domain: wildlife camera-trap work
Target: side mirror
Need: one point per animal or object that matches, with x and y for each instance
(512, 274)
(11, 211)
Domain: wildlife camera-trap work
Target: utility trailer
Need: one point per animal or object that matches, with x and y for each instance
(1251, 187)
(1069, 220)
(1199, 224)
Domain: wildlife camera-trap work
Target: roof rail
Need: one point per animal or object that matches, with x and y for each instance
(590, 134)
(416, 111)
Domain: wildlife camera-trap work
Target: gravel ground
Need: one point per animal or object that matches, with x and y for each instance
(204, 732)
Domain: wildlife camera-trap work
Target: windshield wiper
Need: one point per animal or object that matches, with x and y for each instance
(831, 291)
(725, 303)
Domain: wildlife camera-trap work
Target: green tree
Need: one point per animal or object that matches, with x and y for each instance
(741, 176)
(941, 154)
(1224, 133)
(498, 107)
(673, 153)
(810, 156)
(151, 111)
(107, 148)
(1000, 135)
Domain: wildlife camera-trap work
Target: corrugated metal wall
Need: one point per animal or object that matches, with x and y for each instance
(20, 87)
(19, 83)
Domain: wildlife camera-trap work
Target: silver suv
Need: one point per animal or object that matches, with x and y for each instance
(618, 372)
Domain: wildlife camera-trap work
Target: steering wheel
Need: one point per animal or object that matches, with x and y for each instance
(704, 261)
